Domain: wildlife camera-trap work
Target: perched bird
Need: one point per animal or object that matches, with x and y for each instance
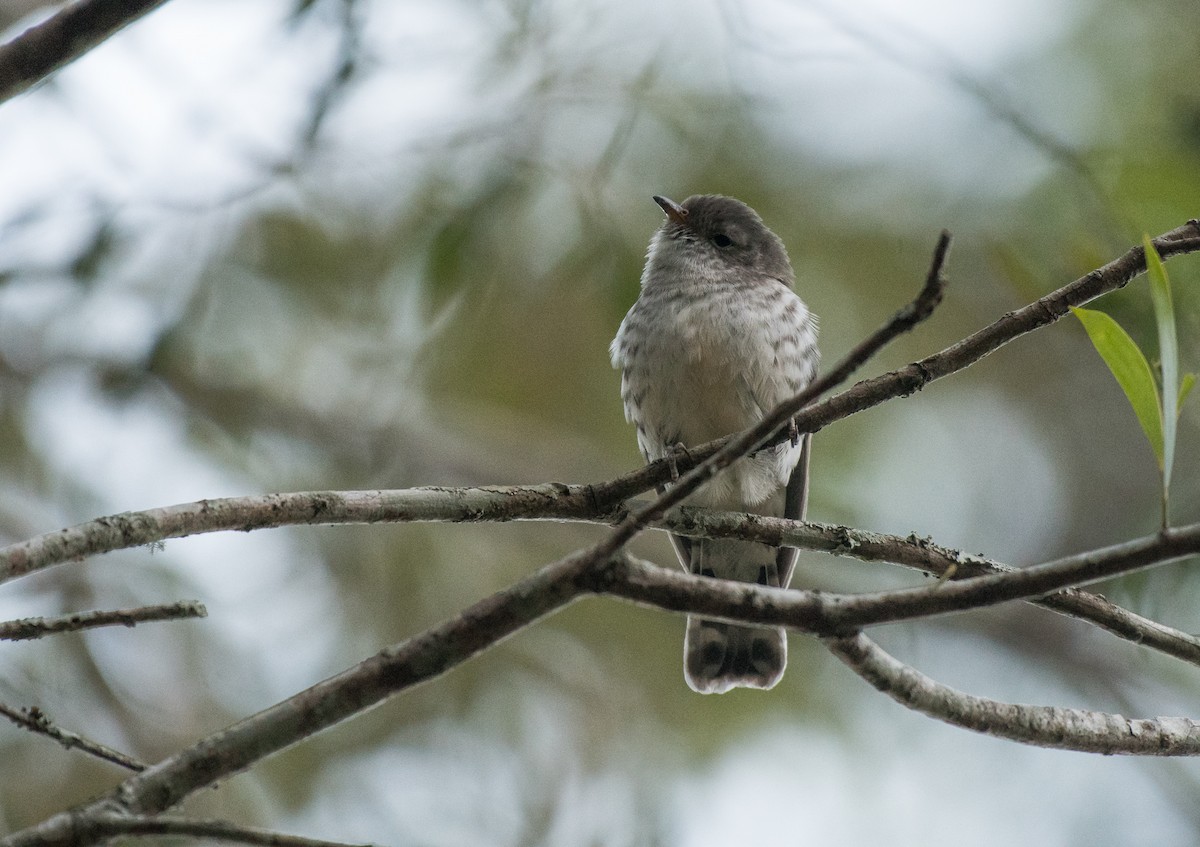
(716, 339)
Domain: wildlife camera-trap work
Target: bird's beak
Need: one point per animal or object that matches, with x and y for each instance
(674, 211)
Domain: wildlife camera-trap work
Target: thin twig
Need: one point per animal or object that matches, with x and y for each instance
(1042, 726)
(27, 628)
(36, 721)
(112, 826)
(64, 37)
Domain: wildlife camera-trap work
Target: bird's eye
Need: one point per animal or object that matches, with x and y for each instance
(722, 240)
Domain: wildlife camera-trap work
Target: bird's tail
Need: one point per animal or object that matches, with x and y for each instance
(719, 656)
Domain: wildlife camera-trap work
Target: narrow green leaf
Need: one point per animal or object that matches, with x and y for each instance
(1168, 353)
(1186, 383)
(1131, 370)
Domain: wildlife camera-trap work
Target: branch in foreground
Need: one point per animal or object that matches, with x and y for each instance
(1042, 726)
(27, 628)
(437, 650)
(923, 554)
(36, 721)
(826, 613)
(63, 38)
(547, 502)
(551, 501)
(397, 668)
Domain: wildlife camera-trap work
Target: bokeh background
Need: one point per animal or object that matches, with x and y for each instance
(272, 246)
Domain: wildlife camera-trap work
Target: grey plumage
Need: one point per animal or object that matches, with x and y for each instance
(716, 339)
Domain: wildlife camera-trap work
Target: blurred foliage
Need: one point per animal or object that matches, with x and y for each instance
(411, 277)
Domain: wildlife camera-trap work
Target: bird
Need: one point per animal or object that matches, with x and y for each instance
(715, 340)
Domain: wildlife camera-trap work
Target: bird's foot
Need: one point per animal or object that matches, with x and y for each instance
(673, 453)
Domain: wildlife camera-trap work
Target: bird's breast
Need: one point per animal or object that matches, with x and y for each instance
(696, 368)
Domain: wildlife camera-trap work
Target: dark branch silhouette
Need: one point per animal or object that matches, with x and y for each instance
(61, 39)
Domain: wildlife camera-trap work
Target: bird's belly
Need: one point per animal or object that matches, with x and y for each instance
(703, 393)
(701, 399)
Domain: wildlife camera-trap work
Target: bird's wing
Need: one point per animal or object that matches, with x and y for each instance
(795, 507)
(682, 544)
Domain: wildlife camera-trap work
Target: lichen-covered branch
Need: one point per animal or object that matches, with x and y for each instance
(575, 503)
(451, 505)
(39, 723)
(1043, 726)
(946, 563)
(27, 628)
(828, 613)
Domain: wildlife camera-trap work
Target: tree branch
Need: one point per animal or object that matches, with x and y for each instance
(827, 613)
(36, 721)
(407, 664)
(924, 555)
(1042, 726)
(552, 501)
(437, 650)
(63, 38)
(356, 689)
(547, 502)
(27, 628)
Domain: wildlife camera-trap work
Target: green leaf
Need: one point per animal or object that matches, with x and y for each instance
(1131, 370)
(1168, 354)
(1186, 384)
